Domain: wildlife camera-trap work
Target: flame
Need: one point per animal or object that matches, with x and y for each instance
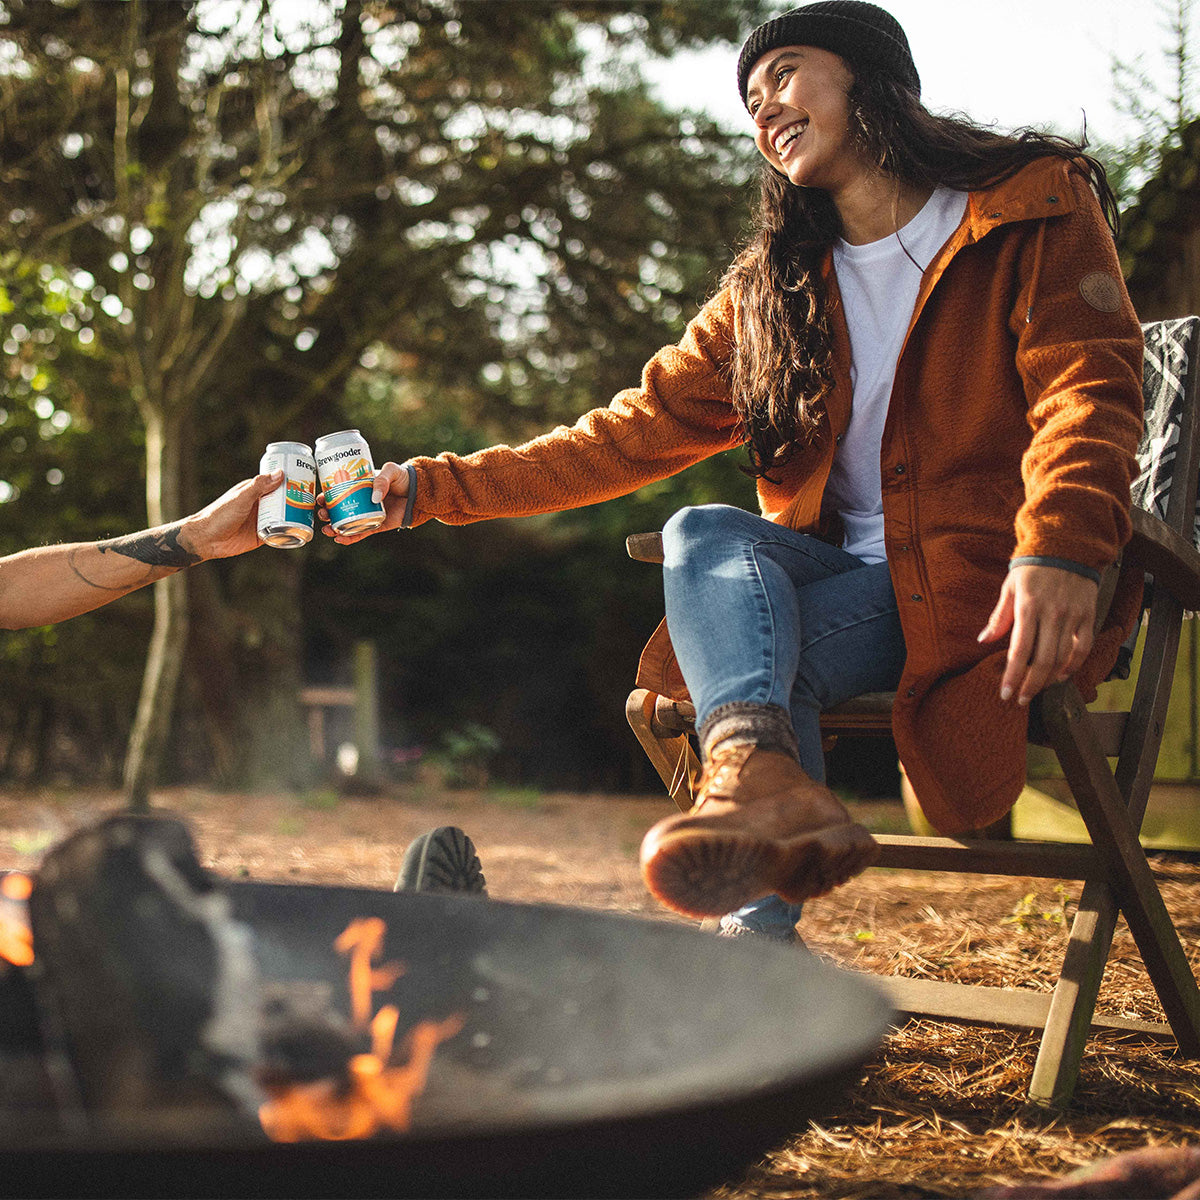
(379, 1097)
(363, 940)
(16, 938)
(375, 1096)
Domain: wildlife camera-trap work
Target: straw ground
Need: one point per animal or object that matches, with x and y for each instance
(940, 1110)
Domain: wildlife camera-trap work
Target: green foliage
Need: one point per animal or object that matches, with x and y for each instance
(424, 219)
(527, 798)
(34, 843)
(1158, 114)
(465, 754)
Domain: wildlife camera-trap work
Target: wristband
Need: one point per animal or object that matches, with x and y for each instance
(1063, 564)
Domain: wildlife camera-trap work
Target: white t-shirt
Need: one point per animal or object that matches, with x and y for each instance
(879, 284)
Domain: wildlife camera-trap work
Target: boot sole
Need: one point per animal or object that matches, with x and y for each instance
(702, 873)
(442, 860)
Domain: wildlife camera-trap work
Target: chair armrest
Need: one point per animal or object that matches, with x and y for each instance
(645, 547)
(1171, 559)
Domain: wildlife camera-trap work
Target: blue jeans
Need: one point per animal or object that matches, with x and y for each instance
(761, 614)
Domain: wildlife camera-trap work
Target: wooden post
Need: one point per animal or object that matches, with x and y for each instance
(366, 711)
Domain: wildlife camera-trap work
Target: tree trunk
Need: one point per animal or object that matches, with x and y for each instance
(245, 652)
(169, 637)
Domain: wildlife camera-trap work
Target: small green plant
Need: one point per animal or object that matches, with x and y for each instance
(290, 826)
(321, 800)
(31, 843)
(517, 797)
(465, 755)
(1029, 911)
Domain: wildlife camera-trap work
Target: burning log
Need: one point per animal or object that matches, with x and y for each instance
(148, 979)
(154, 991)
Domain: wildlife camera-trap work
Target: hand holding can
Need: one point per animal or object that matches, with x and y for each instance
(286, 515)
(390, 489)
(347, 478)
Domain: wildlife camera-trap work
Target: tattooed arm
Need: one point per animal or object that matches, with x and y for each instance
(52, 583)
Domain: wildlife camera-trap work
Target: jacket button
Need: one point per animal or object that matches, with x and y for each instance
(837, 441)
(911, 693)
(917, 597)
(905, 546)
(899, 468)
(1051, 199)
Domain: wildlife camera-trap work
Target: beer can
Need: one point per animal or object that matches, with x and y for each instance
(286, 515)
(347, 476)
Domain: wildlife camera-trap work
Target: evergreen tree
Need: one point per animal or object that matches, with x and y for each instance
(262, 202)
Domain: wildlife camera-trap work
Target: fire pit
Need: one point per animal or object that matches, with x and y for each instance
(172, 1024)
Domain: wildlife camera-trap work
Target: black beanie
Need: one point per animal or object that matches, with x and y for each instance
(861, 33)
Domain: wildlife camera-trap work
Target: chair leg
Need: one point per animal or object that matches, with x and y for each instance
(672, 757)
(1102, 807)
(1068, 1022)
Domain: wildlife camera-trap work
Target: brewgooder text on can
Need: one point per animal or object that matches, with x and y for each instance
(347, 476)
(286, 515)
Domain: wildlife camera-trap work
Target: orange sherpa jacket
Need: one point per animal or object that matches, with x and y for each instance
(1012, 430)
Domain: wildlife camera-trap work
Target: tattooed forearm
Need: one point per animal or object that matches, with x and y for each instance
(78, 569)
(154, 547)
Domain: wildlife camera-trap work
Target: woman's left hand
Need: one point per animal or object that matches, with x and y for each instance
(1052, 615)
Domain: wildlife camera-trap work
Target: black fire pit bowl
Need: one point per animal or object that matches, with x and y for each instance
(599, 1055)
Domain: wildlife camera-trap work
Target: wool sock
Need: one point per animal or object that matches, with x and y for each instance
(767, 726)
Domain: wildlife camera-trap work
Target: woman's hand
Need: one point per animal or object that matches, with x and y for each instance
(1052, 616)
(391, 487)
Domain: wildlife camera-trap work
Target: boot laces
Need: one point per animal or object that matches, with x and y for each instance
(722, 769)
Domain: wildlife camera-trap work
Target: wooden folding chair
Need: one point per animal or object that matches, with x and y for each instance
(1111, 798)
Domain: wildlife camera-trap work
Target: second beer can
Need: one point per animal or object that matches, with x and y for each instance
(347, 476)
(286, 515)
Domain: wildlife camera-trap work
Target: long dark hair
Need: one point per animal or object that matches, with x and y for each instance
(782, 365)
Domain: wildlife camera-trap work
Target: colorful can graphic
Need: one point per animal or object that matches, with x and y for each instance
(347, 474)
(286, 515)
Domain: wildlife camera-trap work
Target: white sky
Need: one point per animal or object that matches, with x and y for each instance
(1016, 62)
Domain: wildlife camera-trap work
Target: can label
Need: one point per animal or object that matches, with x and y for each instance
(286, 515)
(347, 476)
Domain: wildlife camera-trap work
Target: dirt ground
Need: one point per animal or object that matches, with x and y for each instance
(940, 1110)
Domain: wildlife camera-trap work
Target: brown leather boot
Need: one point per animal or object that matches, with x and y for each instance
(759, 825)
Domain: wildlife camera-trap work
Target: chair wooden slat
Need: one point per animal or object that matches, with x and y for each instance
(1115, 837)
(987, 856)
(645, 547)
(1170, 557)
(1009, 1008)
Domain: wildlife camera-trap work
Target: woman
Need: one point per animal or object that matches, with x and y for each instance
(928, 349)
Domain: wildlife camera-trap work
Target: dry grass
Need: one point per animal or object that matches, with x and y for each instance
(941, 1109)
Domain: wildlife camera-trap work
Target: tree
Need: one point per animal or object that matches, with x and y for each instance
(262, 194)
(1159, 114)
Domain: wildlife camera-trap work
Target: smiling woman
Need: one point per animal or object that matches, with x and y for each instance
(798, 99)
(941, 422)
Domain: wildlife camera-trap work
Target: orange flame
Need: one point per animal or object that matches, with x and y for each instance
(16, 938)
(363, 940)
(377, 1096)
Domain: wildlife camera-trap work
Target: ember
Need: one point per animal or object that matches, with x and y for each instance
(372, 1096)
(16, 938)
